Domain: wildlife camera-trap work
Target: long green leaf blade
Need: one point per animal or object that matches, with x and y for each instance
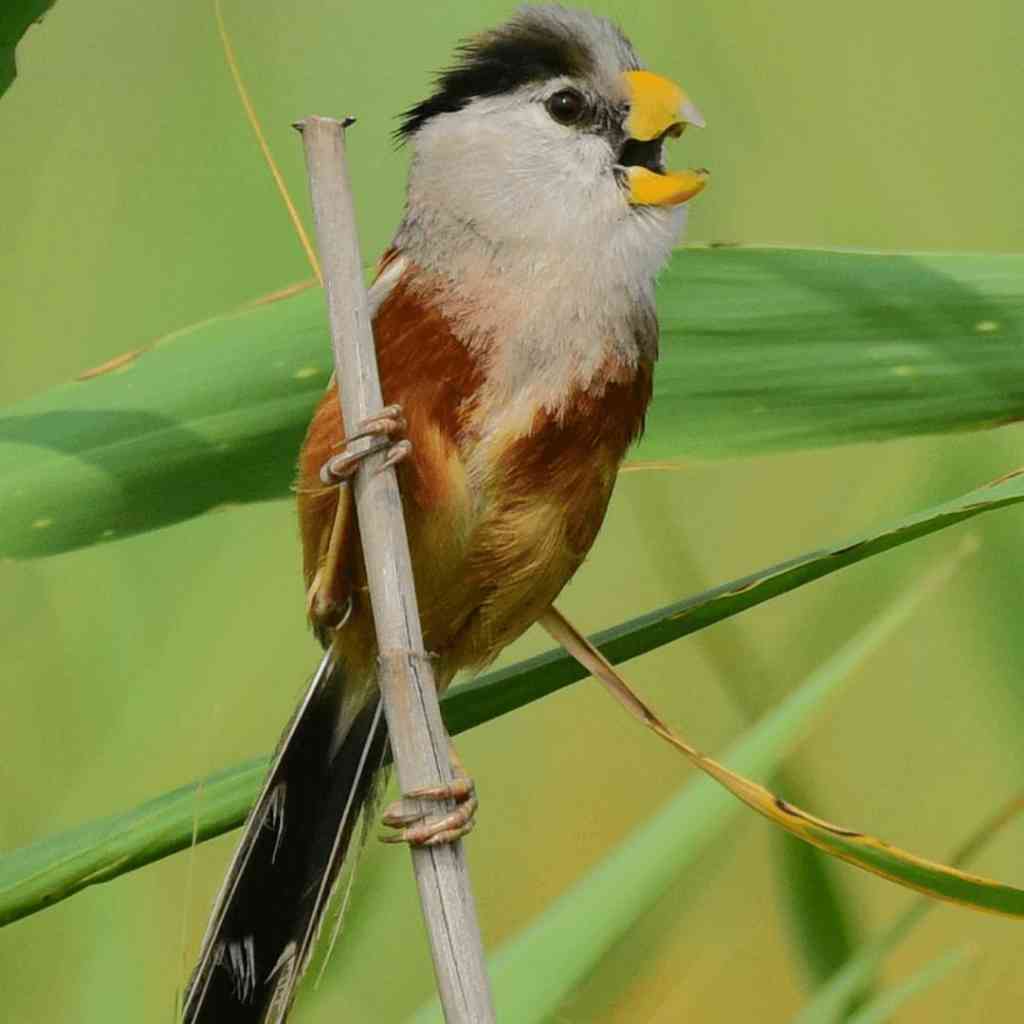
(44, 873)
(548, 672)
(193, 423)
(831, 1001)
(818, 918)
(865, 851)
(52, 869)
(882, 1007)
(762, 350)
(772, 349)
(823, 924)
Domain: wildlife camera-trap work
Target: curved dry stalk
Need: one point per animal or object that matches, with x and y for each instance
(940, 881)
(257, 128)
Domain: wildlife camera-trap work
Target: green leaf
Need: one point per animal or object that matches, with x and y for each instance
(16, 17)
(52, 869)
(881, 1009)
(44, 873)
(532, 973)
(774, 349)
(818, 917)
(865, 851)
(546, 673)
(820, 914)
(209, 416)
(831, 1000)
(762, 350)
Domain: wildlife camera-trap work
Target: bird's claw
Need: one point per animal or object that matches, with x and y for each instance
(398, 451)
(418, 829)
(322, 610)
(388, 422)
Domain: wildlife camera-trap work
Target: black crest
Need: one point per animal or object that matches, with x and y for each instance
(526, 49)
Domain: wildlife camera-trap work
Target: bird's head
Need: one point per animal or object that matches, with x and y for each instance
(548, 131)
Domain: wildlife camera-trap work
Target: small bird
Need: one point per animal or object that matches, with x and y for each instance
(516, 337)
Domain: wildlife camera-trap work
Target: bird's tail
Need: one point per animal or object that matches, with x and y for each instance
(267, 915)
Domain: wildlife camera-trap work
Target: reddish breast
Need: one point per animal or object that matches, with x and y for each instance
(497, 524)
(573, 456)
(432, 374)
(434, 378)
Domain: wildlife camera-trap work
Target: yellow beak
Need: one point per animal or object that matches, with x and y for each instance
(658, 107)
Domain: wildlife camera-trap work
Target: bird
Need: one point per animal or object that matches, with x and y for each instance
(516, 335)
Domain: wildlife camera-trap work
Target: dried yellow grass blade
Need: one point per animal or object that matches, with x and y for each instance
(864, 851)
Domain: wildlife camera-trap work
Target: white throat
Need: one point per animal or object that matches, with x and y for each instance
(548, 271)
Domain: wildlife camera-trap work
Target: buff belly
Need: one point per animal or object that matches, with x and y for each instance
(490, 554)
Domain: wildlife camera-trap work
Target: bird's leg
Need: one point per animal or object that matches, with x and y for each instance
(322, 608)
(389, 422)
(416, 828)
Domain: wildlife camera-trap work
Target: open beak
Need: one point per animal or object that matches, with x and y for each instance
(659, 109)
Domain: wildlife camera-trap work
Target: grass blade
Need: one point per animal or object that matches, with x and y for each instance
(881, 1008)
(37, 876)
(821, 918)
(830, 1002)
(548, 672)
(938, 880)
(40, 874)
(789, 348)
(818, 918)
(763, 350)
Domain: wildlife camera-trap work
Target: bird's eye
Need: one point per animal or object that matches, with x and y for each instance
(566, 106)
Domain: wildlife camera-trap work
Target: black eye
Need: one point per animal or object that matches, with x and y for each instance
(566, 106)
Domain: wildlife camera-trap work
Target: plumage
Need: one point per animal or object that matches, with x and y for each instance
(537, 45)
(515, 326)
(485, 506)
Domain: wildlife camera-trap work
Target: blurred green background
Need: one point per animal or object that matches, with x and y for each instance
(135, 202)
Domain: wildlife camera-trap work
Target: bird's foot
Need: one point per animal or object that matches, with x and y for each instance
(390, 423)
(415, 825)
(323, 611)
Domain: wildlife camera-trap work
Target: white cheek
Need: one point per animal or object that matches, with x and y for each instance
(500, 189)
(541, 249)
(506, 167)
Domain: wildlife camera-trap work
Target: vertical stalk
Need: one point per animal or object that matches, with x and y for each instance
(418, 738)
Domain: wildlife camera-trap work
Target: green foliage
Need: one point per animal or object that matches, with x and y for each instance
(535, 970)
(768, 350)
(831, 1000)
(762, 350)
(882, 1007)
(818, 916)
(35, 877)
(136, 203)
(16, 16)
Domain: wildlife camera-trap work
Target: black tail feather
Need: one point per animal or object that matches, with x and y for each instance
(280, 880)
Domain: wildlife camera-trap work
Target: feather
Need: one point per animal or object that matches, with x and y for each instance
(270, 907)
